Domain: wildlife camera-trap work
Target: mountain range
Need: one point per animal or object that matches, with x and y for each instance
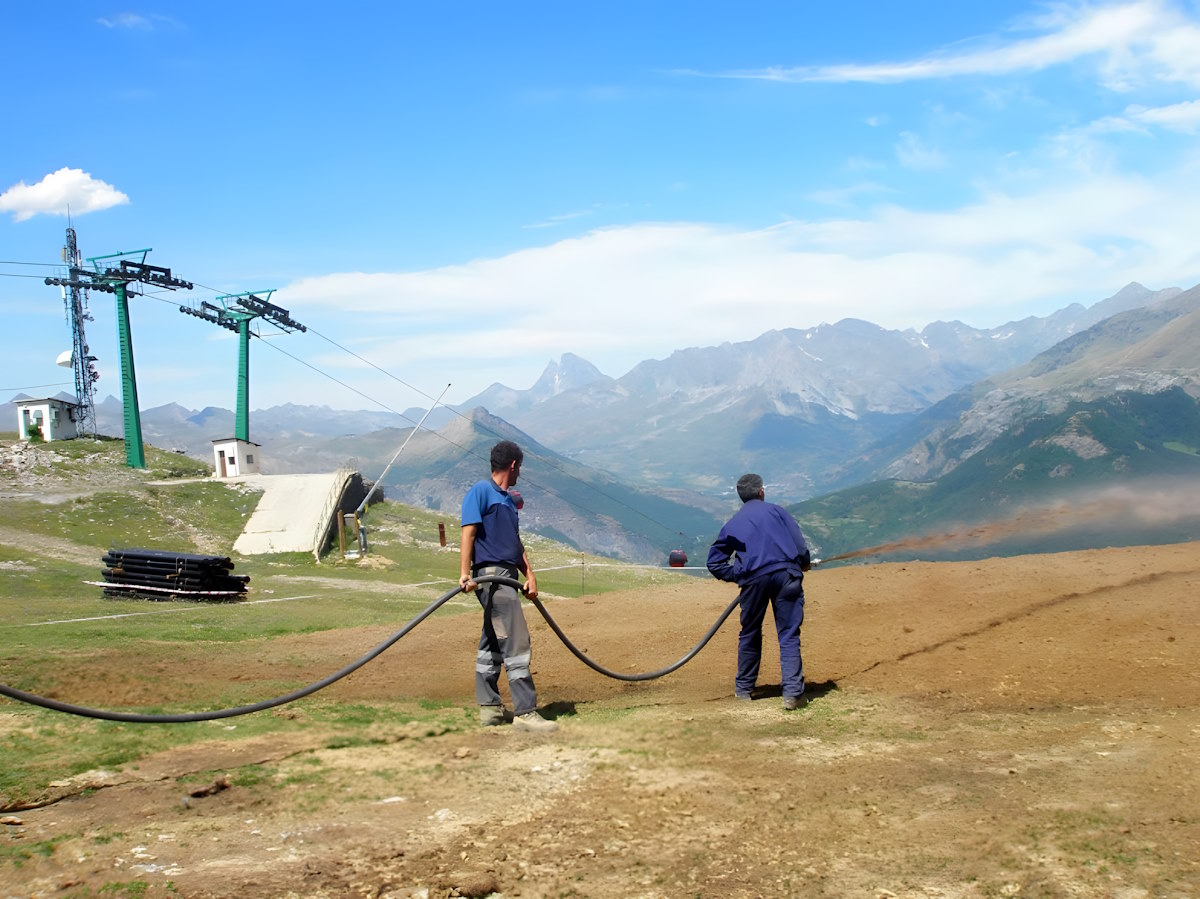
(890, 429)
(797, 405)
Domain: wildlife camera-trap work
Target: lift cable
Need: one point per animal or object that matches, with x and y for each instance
(16, 275)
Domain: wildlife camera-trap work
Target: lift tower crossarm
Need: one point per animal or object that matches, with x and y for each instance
(235, 314)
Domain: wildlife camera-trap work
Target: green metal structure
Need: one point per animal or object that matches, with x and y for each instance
(235, 314)
(113, 274)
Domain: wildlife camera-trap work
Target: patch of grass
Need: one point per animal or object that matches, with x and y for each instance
(1176, 446)
(248, 776)
(170, 518)
(344, 715)
(301, 777)
(53, 746)
(1097, 837)
(436, 705)
(17, 853)
(348, 742)
(608, 714)
(132, 889)
(29, 586)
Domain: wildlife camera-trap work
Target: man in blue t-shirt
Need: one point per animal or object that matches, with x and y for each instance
(762, 550)
(491, 545)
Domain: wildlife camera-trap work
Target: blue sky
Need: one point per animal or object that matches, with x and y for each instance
(459, 193)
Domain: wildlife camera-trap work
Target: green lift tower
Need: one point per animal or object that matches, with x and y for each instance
(114, 274)
(235, 314)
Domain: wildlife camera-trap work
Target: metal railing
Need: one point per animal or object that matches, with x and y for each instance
(325, 520)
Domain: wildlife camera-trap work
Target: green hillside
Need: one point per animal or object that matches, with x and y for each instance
(1080, 478)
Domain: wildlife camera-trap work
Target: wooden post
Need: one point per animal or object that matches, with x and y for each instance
(442, 532)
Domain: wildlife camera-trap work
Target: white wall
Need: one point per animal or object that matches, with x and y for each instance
(53, 418)
(233, 458)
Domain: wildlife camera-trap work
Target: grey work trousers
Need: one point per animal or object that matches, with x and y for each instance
(505, 639)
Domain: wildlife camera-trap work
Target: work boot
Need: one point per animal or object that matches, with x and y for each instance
(491, 715)
(532, 721)
(791, 703)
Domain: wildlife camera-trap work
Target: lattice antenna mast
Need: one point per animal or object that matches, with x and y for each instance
(75, 300)
(235, 314)
(114, 274)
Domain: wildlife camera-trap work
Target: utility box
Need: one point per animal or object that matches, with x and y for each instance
(234, 458)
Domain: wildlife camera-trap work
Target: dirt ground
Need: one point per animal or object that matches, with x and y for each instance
(1009, 727)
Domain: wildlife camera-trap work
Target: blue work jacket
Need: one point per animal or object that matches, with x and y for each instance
(760, 539)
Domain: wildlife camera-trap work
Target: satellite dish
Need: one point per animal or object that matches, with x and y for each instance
(65, 359)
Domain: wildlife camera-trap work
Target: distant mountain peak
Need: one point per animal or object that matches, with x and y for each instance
(568, 373)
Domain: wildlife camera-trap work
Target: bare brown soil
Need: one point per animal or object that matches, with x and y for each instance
(1009, 727)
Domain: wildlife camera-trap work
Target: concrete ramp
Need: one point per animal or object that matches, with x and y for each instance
(294, 514)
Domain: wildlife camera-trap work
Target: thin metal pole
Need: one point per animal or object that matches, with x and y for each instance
(388, 468)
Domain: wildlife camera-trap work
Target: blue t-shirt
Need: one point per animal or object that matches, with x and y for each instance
(497, 533)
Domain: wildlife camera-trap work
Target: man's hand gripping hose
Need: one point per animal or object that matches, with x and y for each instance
(137, 718)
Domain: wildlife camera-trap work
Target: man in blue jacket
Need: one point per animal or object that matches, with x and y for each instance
(762, 550)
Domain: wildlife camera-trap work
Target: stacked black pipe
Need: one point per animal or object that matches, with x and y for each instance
(160, 574)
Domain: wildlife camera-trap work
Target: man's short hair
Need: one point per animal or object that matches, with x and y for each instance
(504, 454)
(749, 486)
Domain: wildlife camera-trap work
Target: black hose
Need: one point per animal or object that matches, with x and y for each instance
(86, 712)
(137, 718)
(650, 675)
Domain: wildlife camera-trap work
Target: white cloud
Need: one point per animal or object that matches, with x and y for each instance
(131, 21)
(555, 220)
(1134, 42)
(846, 196)
(126, 20)
(67, 190)
(619, 295)
(1177, 117)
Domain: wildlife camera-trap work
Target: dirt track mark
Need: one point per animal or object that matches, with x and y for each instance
(1025, 613)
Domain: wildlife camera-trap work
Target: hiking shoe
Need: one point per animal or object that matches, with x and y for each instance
(534, 722)
(744, 697)
(791, 703)
(491, 715)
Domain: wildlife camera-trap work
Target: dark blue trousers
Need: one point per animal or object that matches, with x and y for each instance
(785, 593)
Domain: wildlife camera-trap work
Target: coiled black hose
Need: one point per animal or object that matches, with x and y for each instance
(137, 718)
